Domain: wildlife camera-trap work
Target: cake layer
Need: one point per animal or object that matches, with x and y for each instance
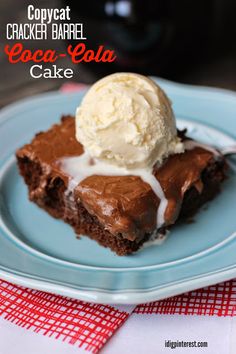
(117, 211)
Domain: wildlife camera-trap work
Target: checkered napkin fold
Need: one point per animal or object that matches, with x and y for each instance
(89, 326)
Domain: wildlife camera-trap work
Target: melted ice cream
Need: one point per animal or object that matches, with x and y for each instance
(81, 167)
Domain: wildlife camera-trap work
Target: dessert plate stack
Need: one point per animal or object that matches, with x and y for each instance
(40, 252)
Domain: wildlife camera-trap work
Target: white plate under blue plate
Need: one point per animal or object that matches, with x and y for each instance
(40, 252)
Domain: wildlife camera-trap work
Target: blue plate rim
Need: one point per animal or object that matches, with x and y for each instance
(121, 296)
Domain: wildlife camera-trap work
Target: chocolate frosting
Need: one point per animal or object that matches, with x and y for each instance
(124, 205)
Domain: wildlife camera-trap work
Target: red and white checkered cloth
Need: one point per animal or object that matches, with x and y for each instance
(87, 327)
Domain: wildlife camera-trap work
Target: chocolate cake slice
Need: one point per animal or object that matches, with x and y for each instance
(119, 212)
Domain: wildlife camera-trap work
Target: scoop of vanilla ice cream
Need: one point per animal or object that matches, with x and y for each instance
(126, 119)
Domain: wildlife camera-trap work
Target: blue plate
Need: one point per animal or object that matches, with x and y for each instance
(40, 252)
